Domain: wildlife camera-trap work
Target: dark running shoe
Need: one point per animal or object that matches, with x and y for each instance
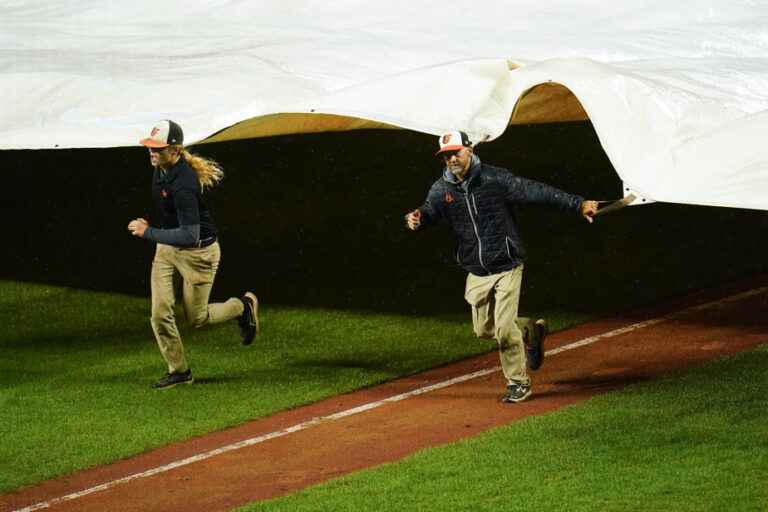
(249, 320)
(516, 392)
(172, 379)
(534, 348)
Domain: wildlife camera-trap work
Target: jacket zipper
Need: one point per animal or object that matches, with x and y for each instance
(477, 233)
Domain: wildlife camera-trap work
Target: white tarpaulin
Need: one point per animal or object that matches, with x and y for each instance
(677, 91)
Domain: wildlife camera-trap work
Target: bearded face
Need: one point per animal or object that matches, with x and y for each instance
(458, 162)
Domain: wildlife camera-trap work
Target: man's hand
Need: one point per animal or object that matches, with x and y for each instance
(588, 210)
(137, 227)
(413, 219)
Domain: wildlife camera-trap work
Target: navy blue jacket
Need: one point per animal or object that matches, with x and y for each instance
(480, 212)
(183, 217)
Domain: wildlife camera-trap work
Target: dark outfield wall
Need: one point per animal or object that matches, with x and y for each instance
(317, 220)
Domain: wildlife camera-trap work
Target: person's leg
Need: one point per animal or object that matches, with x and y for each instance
(508, 332)
(163, 317)
(478, 293)
(198, 268)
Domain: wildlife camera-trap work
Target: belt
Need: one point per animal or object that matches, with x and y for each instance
(205, 242)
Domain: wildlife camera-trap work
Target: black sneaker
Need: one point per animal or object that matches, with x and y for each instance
(534, 348)
(172, 379)
(249, 320)
(516, 392)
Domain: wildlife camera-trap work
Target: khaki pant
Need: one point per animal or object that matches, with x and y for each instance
(189, 273)
(494, 300)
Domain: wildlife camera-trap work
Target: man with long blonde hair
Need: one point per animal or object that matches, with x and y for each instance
(187, 248)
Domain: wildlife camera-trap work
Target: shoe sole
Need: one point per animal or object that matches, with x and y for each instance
(255, 316)
(169, 386)
(255, 310)
(540, 332)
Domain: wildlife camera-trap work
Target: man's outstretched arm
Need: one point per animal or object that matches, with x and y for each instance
(426, 214)
(523, 190)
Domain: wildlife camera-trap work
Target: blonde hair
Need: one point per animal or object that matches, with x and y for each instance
(209, 172)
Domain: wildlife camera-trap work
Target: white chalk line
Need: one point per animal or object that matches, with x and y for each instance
(373, 405)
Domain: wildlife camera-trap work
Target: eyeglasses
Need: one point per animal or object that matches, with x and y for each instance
(157, 150)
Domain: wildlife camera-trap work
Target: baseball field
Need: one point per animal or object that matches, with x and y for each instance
(352, 302)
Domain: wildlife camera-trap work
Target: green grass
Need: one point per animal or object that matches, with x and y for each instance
(77, 367)
(693, 441)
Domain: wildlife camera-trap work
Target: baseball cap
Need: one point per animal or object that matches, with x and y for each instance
(453, 141)
(163, 134)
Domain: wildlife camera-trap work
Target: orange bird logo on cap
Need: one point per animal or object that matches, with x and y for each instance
(446, 138)
(154, 131)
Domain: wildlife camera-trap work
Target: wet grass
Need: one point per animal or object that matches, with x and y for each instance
(77, 367)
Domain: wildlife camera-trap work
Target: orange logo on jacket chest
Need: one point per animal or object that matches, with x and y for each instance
(448, 198)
